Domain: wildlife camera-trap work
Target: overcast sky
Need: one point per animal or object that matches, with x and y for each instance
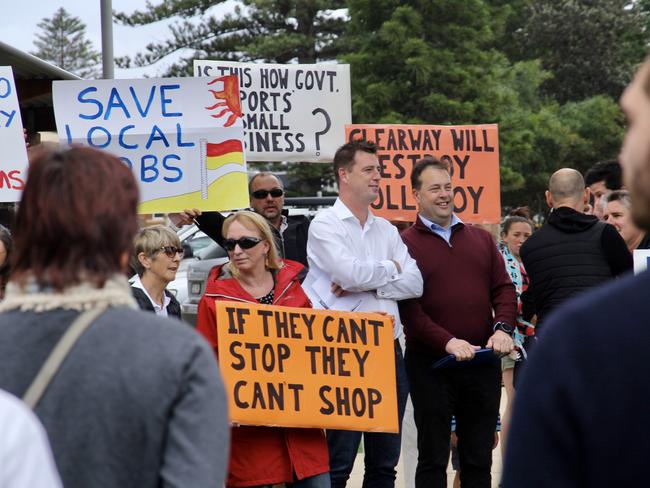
(20, 19)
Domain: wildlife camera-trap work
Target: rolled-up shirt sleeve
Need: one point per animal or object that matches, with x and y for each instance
(408, 283)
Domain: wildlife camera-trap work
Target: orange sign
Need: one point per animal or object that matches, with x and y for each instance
(471, 151)
(297, 367)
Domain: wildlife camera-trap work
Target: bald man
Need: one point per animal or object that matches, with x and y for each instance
(572, 252)
(580, 416)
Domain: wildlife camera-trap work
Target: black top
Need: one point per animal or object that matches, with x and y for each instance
(571, 253)
(173, 309)
(585, 391)
(291, 244)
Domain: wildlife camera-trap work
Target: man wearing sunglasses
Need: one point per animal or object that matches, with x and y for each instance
(267, 199)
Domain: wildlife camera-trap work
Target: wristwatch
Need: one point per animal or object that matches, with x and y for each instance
(504, 327)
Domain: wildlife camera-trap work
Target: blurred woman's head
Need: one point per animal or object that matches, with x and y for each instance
(516, 228)
(250, 243)
(158, 253)
(76, 219)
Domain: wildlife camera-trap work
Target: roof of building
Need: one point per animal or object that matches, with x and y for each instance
(29, 67)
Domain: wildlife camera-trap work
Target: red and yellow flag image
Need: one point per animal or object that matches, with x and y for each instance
(226, 152)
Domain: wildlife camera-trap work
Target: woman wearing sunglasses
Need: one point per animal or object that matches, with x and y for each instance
(158, 253)
(262, 456)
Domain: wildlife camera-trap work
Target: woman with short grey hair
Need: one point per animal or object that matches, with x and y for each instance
(158, 254)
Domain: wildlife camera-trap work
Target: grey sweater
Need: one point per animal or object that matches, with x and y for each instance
(138, 403)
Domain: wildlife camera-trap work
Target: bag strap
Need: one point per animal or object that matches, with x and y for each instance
(58, 355)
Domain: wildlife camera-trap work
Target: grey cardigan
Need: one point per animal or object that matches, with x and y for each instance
(138, 403)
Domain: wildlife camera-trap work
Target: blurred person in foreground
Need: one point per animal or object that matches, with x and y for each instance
(158, 254)
(580, 417)
(255, 274)
(516, 229)
(617, 213)
(138, 402)
(25, 456)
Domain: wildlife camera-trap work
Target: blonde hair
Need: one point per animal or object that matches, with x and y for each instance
(252, 220)
(150, 240)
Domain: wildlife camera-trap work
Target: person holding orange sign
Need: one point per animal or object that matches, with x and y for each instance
(262, 456)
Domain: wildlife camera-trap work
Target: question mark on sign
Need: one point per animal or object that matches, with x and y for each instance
(328, 126)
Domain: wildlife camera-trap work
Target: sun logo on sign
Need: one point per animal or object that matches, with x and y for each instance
(228, 98)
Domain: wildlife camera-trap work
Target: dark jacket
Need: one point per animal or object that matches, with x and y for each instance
(463, 284)
(571, 253)
(291, 244)
(173, 309)
(584, 391)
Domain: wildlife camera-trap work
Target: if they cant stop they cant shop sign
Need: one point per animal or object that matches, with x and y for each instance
(300, 367)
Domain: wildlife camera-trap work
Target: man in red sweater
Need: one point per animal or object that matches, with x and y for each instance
(468, 303)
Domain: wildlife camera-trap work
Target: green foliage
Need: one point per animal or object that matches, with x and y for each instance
(408, 69)
(62, 41)
(274, 31)
(590, 47)
(547, 71)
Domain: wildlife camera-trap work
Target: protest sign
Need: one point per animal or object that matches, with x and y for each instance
(471, 152)
(291, 112)
(299, 367)
(13, 155)
(182, 137)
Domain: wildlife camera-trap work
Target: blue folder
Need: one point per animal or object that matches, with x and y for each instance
(481, 356)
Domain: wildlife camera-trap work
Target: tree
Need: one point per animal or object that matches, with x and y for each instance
(278, 31)
(62, 41)
(590, 46)
(407, 68)
(281, 31)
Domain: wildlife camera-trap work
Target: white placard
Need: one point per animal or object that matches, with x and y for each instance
(13, 155)
(182, 137)
(291, 112)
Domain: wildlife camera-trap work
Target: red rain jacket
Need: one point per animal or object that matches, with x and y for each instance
(265, 455)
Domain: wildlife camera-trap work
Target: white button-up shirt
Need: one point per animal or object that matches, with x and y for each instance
(360, 259)
(160, 311)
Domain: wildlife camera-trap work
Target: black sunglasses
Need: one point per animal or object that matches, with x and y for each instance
(244, 243)
(275, 193)
(171, 251)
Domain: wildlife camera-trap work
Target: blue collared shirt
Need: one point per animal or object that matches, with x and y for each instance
(444, 232)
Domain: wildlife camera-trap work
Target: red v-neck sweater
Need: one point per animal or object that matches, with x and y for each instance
(463, 284)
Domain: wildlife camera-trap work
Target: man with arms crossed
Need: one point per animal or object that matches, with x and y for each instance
(357, 252)
(468, 302)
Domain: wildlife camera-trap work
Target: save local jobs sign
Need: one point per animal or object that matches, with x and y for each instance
(290, 112)
(13, 155)
(470, 151)
(181, 137)
(298, 367)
